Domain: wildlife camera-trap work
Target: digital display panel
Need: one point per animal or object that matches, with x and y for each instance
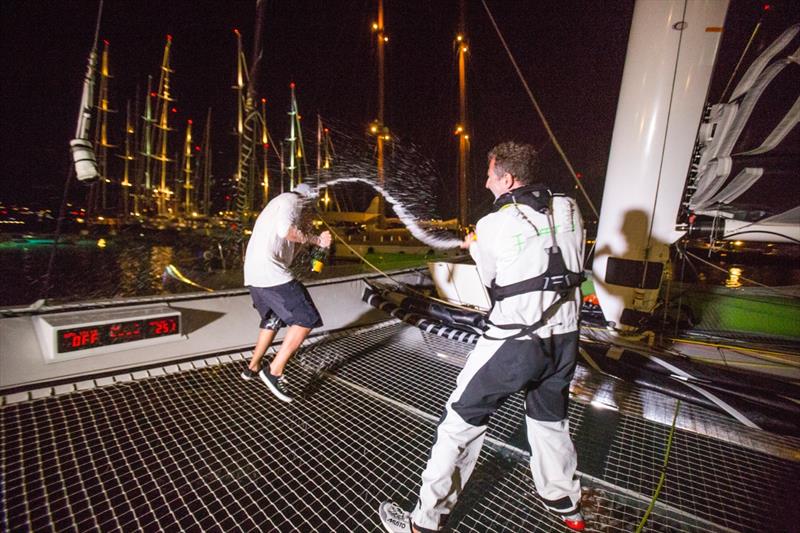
(95, 336)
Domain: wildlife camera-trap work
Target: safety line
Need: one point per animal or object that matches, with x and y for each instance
(663, 470)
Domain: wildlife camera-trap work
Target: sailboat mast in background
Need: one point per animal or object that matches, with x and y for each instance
(461, 128)
(379, 126)
(127, 157)
(163, 193)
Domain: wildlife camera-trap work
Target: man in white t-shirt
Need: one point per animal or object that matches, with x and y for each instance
(279, 298)
(529, 253)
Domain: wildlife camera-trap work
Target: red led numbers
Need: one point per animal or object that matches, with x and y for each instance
(116, 333)
(163, 326)
(83, 338)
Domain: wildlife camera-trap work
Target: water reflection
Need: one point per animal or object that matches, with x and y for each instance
(160, 258)
(734, 278)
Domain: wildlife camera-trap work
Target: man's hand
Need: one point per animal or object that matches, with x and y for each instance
(468, 240)
(325, 239)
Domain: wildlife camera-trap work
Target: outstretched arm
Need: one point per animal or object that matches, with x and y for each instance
(295, 235)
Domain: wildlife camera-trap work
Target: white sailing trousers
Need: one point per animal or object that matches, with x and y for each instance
(543, 368)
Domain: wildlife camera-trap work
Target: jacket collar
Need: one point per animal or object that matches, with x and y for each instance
(536, 196)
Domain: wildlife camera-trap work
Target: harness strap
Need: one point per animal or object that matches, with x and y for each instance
(556, 278)
(530, 330)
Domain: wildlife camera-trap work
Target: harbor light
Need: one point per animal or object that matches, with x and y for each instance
(101, 243)
(374, 26)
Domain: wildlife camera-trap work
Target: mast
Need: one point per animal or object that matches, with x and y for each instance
(127, 158)
(295, 140)
(379, 127)
(205, 206)
(163, 193)
(671, 52)
(324, 159)
(264, 152)
(241, 111)
(187, 171)
(249, 118)
(148, 122)
(461, 128)
(101, 133)
(82, 151)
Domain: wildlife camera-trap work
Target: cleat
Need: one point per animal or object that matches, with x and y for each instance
(394, 518)
(276, 384)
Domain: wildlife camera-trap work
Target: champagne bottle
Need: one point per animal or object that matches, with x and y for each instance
(318, 257)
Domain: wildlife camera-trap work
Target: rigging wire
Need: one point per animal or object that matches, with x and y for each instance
(741, 58)
(539, 112)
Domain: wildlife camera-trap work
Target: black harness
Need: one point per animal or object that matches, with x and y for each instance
(557, 277)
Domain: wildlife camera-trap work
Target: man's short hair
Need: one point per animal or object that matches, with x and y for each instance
(517, 159)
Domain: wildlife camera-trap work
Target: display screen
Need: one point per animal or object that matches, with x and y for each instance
(85, 337)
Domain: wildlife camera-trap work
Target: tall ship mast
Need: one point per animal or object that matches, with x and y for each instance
(462, 130)
(146, 193)
(265, 144)
(187, 170)
(164, 100)
(324, 162)
(126, 185)
(295, 142)
(205, 163)
(251, 121)
(378, 127)
(98, 193)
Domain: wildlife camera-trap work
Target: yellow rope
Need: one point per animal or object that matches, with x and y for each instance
(663, 470)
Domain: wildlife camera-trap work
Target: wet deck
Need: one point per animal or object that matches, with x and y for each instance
(194, 447)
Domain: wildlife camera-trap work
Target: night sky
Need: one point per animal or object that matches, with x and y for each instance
(571, 53)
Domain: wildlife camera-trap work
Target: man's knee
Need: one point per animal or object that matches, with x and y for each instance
(548, 403)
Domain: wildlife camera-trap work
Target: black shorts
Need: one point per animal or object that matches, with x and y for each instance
(290, 302)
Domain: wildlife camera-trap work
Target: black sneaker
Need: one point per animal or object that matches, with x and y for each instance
(248, 374)
(276, 384)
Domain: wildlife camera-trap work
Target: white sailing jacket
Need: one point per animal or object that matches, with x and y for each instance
(510, 249)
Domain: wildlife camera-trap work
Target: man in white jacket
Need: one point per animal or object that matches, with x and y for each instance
(279, 298)
(529, 253)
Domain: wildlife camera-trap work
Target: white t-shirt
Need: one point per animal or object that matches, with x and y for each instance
(509, 250)
(269, 254)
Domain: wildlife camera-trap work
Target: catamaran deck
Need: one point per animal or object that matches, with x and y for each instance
(192, 446)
